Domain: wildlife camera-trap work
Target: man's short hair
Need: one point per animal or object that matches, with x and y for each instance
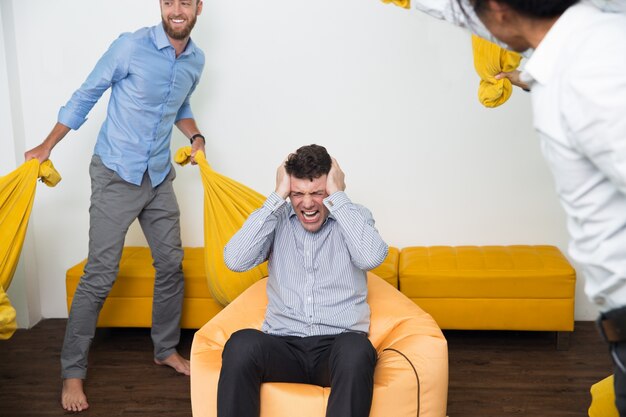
(311, 162)
(538, 9)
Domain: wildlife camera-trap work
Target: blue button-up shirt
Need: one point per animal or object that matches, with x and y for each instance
(317, 283)
(150, 91)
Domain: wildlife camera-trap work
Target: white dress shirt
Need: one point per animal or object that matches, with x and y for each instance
(610, 5)
(578, 91)
(578, 81)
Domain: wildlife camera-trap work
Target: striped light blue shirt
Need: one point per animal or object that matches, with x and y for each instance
(150, 91)
(317, 283)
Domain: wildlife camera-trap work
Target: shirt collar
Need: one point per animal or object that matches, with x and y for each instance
(162, 41)
(542, 63)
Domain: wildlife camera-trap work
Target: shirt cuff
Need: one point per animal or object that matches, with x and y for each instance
(336, 200)
(69, 119)
(274, 202)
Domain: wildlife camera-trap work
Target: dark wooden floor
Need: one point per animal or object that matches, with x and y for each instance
(492, 374)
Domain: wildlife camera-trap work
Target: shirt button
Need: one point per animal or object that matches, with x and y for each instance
(598, 299)
(308, 299)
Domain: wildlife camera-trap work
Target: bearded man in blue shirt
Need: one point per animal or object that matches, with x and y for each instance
(317, 318)
(152, 74)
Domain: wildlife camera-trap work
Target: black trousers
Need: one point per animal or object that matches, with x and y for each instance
(618, 353)
(344, 362)
(612, 325)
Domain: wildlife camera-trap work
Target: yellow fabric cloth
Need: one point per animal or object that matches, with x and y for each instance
(402, 3)
(7, 316)
(227, 204)
(17, 193)
(490, 60)
(603, 399)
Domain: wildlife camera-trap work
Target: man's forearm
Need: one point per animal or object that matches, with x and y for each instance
(42, 152)
(188, 127)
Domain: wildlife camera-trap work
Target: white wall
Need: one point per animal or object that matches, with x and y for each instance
(391, 93)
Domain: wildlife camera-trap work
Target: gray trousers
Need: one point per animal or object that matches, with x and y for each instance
(115, 204)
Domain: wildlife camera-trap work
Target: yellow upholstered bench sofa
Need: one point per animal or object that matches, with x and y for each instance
(517, 287)
(466, 287)
(130, 301)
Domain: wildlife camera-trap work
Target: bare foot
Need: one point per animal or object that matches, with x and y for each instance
(73, 397)
(180, 364)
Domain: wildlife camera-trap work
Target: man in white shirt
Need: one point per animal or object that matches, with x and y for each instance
(577, 76)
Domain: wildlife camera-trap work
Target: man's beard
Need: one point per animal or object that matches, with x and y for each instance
(181, 34)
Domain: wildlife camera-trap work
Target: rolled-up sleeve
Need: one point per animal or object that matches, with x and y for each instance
(367, 249)
(185, 109)
(112, 67)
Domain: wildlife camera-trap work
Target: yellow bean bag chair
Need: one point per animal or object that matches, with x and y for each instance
(411, 377)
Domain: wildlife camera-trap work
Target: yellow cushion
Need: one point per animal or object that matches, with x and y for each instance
(491, 287)
(411, 375)
(603, 399)
(130, 302)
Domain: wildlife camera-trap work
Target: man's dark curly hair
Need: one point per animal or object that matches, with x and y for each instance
(531, 8)
(311, 162)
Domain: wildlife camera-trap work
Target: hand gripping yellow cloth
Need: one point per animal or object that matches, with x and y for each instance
(227, 205)
(17, 193)
(490, 60)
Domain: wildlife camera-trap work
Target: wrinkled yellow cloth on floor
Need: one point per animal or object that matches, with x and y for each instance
(402, 3)
(227, 204)
(17, 193)
(490, 60)
(603, 399)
